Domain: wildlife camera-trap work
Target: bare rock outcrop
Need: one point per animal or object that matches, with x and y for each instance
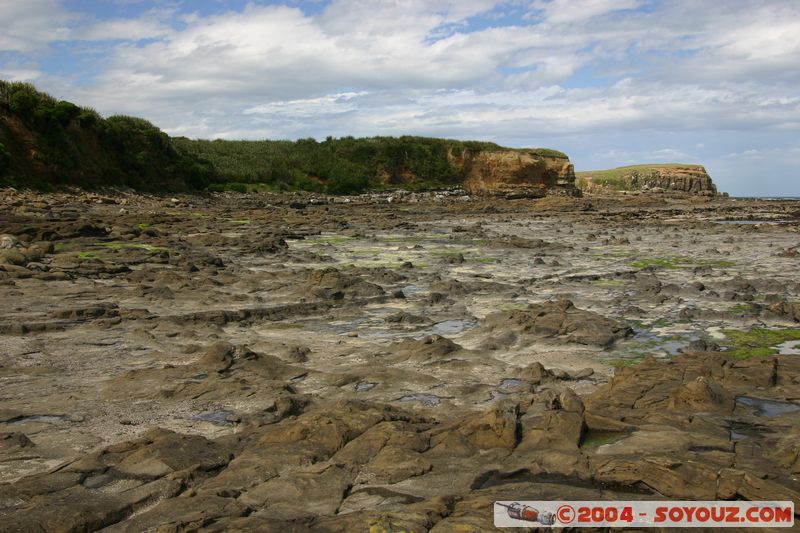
(516, 173)
(559, 320)
(654, 431)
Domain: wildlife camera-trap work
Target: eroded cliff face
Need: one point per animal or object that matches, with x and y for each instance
(516, 173)
(690, 179)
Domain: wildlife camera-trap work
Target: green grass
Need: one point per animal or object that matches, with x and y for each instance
(679, 261)
(386, 264)
(618, 362)
(621, 172)
(739, 309)
(86, 255)
(657, 262)
(129, 245)
(512, 307)
(594, 438)
(543, 152)
(757, 342)
(410, 239)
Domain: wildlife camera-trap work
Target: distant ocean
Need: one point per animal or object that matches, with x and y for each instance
(765, 197)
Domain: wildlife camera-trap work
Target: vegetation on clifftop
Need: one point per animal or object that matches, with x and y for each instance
(615, 178)
(340, 166)
(45, 142)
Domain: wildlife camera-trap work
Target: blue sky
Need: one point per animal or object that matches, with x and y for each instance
(610, 82)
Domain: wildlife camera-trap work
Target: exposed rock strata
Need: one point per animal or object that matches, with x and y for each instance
(516, 173)
(679, 433)
(678, 178)
(237, 363)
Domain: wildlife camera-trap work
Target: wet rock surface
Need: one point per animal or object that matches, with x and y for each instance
(233, 363)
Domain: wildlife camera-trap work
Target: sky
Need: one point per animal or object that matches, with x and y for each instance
(609, 82)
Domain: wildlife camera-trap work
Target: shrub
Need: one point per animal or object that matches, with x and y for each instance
(35, 107)
(302, 182)
(547, 152)
(343, 182)
(88, 118)
(24, 100)
(64, 112)
(78, 146)
(226, 187)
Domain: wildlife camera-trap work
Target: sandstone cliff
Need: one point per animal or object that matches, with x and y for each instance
(516, 173)
(690, 179)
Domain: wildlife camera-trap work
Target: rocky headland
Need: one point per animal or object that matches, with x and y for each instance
(516, 173)
(690, 179)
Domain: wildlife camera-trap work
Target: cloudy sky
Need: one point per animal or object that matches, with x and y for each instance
(610, 82)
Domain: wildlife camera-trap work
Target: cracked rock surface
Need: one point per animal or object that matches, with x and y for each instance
(287, 363)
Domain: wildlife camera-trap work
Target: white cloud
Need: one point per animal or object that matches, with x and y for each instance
(310, 107)
(570, 11)
(279, 61)
(585, 68)
(11, 73)
(30, 24)
(123, 29)
(748, 154)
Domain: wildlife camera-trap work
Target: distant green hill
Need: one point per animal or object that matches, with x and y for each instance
(45, 142)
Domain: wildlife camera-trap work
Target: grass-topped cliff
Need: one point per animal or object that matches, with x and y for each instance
(45, 142)
(341, 166)
(679, 177)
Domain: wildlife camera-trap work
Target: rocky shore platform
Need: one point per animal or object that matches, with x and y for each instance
(389, 362)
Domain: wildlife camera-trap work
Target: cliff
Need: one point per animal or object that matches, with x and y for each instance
(690, 179)
(351, 165)
(516, 173)
(45, 142)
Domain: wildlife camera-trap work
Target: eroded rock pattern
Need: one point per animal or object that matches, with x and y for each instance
(283, 363)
